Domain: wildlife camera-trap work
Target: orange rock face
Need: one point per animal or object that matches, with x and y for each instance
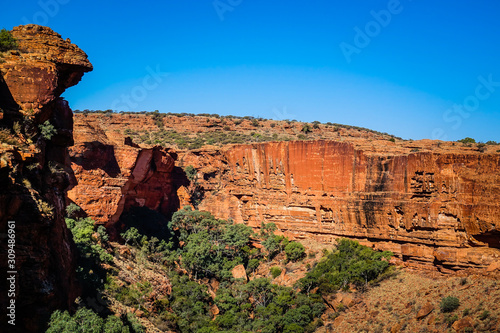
(113, 177)
(43, 68)
(34, 173)
(434, 208)
(428, 208)
(434, 204)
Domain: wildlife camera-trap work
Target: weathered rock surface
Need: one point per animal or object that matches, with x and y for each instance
(113, 177)
(434, 204)
(43, 68)
(425, 310)
(239, 272)
(428, 208)
(35, 174)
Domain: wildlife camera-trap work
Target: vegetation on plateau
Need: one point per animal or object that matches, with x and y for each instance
(227, 129)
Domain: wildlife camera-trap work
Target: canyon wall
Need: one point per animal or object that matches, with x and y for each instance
(114, 175)
(35, 174)
(434, 204)
(431, 209)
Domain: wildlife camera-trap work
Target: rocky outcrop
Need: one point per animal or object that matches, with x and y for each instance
(430, 209)
(114, 175)
(434, 204)
(35, 173)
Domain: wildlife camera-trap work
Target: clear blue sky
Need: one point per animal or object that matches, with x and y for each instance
(416, 69)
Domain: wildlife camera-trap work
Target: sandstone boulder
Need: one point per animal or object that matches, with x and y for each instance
(425, 310)
(239, 272)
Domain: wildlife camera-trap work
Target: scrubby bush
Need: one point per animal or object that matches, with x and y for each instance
(72, 209)
(295, 251)
(190, 172)
(449, 319)
(349, 263)
(7, 42)
(306, 128)
(467, 140)
(449, 304)
(91, 253)
(87, 321)
(275, 272)
(212, 247)
(47, 130)
(485, 314)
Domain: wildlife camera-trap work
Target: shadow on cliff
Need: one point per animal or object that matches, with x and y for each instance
(9, 110)
(194, 189)
(97, 155)
(492, 238)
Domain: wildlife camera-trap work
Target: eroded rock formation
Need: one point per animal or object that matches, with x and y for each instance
(35, 172)
(434, 204)
(429, 208)
(114, 175)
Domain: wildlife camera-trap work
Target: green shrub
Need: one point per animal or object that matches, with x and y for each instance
(449, 304)
(7, 137)
(467, 140)
(275, 272)
(91, 253)
(47, 130)
(306, 128)
(481, 147)
(350, 263)
(7, 42)
(295, 251)
(87, 321)
(190, 172)
(71, 209)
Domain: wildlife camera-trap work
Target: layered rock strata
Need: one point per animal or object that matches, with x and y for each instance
(438, 209)
(434, 204)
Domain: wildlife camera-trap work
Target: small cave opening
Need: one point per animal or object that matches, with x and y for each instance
(492, 238)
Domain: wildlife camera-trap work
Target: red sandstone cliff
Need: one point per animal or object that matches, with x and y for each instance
(428, 208)
(35, 173)
(434, 204)
(114, 175)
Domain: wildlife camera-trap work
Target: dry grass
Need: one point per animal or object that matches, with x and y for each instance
(393, 305)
